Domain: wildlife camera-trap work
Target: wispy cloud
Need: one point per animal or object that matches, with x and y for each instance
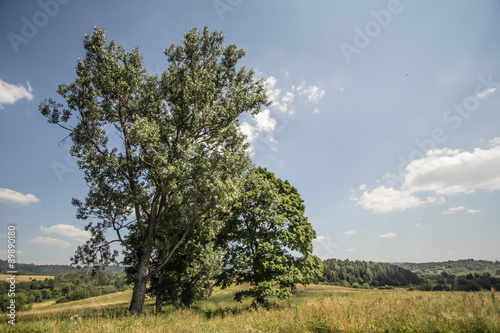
(12, 197)
(11, 93)
(389, 235)
(313, 93)
(454, 210)
(260, 129)
(460, 209)
(66, 230)
(350, 232)
(50, 241)
(320, 238)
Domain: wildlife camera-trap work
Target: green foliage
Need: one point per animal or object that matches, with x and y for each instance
(21, 302)
(265, 224)
(66, 287)
(357, 273)
(32, 269)
(460, 275)
(463, 266)
(189, 274)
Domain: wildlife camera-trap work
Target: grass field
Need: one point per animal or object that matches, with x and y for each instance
(24, 278)
(312, 309)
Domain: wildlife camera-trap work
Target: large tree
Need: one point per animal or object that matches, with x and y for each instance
(159, 153)
(267, 239)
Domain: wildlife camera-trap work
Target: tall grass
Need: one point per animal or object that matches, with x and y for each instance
(312, 309)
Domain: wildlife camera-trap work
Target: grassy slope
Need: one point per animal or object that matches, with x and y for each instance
(24, 278)
(312, 309)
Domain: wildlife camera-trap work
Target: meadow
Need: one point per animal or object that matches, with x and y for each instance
(316, 308)
(26, 278)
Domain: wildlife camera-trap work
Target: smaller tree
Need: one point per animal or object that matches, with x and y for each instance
(265, 225)
(190, 273)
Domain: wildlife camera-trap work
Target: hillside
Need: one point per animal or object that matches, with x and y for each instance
(463, 266)
(33, 269)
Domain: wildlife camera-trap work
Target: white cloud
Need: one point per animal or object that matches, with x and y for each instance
(454, 210)
(351, 250)
(259, 130)
(314, 93)
(288, 98)
(350, 232)
(320, 238)
(389, 235)
(10, 93)
(362, 187)
(418, 224)
(316, 111)
(279, 102)
(67, 230)
(5, 253)
(249, 131)
(50, 241)
(13, 197)
(264, 122)
(495, 142)
(449, 172)
(461, 208)
(383, 199)
(441, 172)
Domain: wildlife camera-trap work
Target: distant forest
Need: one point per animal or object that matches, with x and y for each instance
(361, 274)
(32, 269)
(463, 266)
(460, 275)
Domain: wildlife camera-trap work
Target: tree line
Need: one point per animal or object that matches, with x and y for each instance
(465, 282)
(67, 287)
(35, 269)
(462, 266)
(368, 274)
(170, 175)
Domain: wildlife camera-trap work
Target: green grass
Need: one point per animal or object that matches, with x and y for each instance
(312, 309)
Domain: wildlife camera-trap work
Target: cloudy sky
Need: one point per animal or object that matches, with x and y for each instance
(385, 116)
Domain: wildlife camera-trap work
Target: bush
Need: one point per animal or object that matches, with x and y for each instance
(386, 287)
(62, 299)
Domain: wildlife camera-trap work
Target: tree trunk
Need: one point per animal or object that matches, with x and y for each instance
(159, 303)
(159, 293)
(139, 293)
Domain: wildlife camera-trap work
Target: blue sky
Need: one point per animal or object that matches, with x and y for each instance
(385, 116)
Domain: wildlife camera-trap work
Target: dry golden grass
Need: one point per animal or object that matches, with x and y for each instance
(24, 278)
(312, 309)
